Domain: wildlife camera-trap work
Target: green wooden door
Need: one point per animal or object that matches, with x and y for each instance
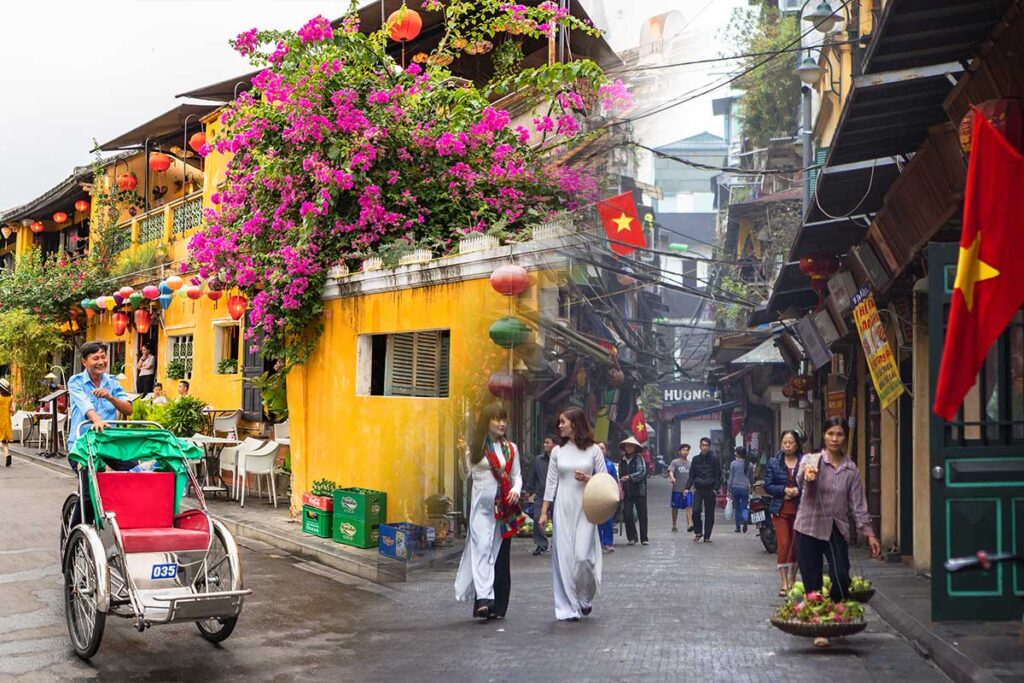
(977, 466)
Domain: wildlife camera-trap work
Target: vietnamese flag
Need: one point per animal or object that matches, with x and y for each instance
(989, 286)
(622, 223)
(638, 425)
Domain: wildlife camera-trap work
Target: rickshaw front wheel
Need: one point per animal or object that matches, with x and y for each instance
(81, 588)
(68, 521)
(220, 575)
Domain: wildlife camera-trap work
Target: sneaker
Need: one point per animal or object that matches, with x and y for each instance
(586, 609)
(690, 528)
(736, 530)
(608, 548)
(645, 542)
(630, 542)
(540, 551)
(7, 461)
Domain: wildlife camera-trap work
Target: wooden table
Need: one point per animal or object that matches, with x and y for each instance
(210, 445)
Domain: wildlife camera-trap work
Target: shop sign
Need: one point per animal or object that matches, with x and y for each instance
(881, 361)
(681, 393)
(835, 404)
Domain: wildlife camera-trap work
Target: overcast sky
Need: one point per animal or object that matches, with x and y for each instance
(76, 71)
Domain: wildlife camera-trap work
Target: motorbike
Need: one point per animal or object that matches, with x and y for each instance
(984, 561)
(660, 467)
(760, 517)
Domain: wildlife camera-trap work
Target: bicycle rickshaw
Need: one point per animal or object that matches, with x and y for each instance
(128, 549)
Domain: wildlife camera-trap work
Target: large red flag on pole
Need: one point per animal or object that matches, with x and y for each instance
(622, 223)
(989, 285)
(638, 425)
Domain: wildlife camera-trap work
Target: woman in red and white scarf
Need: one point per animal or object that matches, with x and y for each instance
(494, 516)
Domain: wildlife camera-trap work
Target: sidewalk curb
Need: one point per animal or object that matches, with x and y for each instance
(54, 464)
(950, 660)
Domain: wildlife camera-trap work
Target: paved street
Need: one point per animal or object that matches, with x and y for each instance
(669, 611)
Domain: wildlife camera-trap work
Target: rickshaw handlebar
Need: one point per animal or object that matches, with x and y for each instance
(85, 426)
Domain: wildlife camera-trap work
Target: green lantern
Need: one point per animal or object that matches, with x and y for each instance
(135, 300)
(509, 332)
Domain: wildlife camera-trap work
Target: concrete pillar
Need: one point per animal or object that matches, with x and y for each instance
(922, 448)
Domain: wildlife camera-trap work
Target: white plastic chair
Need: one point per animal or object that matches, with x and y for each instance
(46, 424)
(261, 461)
(229, 459)
(227, 425)
(281, 430)
(21, 425)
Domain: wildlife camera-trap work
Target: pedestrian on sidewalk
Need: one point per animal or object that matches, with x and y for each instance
(678, 473)
(633, 476)
(607, 530)
(533, 489)
(830, 485)
(705, 479)
(780, 483)
(147, 371)
(493, 463)
(576, 547)
(741, 474)
(6, 409)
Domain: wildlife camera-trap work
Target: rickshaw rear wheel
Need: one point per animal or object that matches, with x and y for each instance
(81, 584)
(68, 513)
(219, 570)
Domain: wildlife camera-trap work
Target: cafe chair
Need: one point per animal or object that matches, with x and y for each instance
(260, 462)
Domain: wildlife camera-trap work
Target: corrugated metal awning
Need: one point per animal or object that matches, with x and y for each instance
(162, 128)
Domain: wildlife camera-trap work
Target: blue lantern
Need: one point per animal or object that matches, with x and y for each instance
(165, 301)
(164, 289)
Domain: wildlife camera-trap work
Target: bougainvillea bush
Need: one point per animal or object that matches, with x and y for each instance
(337, 152)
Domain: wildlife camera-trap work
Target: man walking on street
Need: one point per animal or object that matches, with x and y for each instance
(678, 473)
(705, 479)
(633, 475)
(536, 481)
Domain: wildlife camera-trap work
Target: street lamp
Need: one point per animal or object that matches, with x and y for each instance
(822, 17)
(50, 377)
(809, 71)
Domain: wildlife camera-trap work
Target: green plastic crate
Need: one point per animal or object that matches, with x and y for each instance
(365, 505)
(316, 522)
(355, 532)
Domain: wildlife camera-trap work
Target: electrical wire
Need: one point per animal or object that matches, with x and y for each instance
(730, 58)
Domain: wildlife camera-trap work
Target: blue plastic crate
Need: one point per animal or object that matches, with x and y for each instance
(402, 540)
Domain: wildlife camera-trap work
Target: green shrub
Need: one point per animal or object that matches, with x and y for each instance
(176, 369)
(184, 416)
(227, 366)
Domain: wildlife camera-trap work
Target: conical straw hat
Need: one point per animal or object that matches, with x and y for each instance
(600, 498)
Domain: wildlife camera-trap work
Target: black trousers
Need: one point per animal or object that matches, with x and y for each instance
(145, 383)
(635, 508)
(502, 582)
(810, 553)
(704, 501)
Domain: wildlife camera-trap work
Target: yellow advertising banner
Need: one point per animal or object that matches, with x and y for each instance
(881, 362)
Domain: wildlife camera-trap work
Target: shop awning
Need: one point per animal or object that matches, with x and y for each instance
(168, 127)
(792, 290)
(765, 353)
(710, 410)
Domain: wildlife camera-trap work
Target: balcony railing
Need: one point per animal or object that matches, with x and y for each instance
(151, 227)
(164, 223)
(188, 214)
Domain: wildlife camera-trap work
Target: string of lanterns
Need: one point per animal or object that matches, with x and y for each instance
(508, 332)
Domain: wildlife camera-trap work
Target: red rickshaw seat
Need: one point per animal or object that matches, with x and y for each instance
(143, 504)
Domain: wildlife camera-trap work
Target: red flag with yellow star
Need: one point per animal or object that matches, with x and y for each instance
(989, 285)
(638, 425)
(622, 223)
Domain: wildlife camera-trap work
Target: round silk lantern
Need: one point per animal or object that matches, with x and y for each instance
(60, 217)
(151, 292)
(197, 141)
(404, 25)
(194, 292)
(174, 283)
(126, 292)
(84, 303)
(81, 206)
(135, 299)
(101, 302)
(37, 227)
(236, 306)
(165, 301)
(126, 182)
(120, 323)
(509, 332)
(89, 313)
(142, 320)
(802, 383)
(165, 288)
(108, 303)
(216, 284)
(510, 280)
(118, 299)
(506, 385)
(159, 162)
(215, 294)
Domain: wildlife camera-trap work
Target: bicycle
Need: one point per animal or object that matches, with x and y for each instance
(983, 561)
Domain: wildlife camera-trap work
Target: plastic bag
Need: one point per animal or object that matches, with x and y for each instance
(728, 509)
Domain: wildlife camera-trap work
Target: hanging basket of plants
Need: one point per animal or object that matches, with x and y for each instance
(815, 616)
(807, 629)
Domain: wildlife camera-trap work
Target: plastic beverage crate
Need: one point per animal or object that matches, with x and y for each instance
(363, 504)
(402, 540)
(355, 532)
(316, 521)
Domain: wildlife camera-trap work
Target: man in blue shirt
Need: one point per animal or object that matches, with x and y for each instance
(96, 397)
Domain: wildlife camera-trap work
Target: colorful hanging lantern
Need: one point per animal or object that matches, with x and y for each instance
(215, 295)
(89, 313)
(151, 292)
(194, 292)
(101, 302)
(819, 267)
(216, 284)
(120, 323)
(108, 303)
(510, 280)
(159, 162)
(37, 227)
(135, 299)
(85, 303)
(142, 320)
(506, 385)
(118, 299)
(197, 141)
(236, 306)
(81, 206)
(174, 283)
(509, 332)
(6, 231)
(165, 301)
(126, 182)
(165, 288)
(60, 217)
(404, 25)
(126, 292)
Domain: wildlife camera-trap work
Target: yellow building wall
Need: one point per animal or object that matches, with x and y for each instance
(404, 446)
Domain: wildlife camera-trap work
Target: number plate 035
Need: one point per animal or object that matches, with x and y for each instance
(164, 571)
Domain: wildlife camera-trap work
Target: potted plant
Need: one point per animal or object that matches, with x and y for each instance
(227, 366)
(176, 369)
(319, 495)
(186, 416)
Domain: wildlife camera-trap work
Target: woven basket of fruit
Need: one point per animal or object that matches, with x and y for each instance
(861, 589)
(814, 615)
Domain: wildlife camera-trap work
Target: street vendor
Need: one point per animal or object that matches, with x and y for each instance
(96, 396)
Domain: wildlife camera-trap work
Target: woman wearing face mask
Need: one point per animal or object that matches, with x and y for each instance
(831, 492)
(576, 547)
(494, 515)
(780, 483)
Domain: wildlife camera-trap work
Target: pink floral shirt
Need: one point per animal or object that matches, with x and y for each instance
(830, 499)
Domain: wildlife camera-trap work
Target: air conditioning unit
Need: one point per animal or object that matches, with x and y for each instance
(842, 288)
(790, 6)
(867, 266)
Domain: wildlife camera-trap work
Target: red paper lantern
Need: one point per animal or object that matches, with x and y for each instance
(197, 141)
(506, 385)
(215, 294)
(194, 292)
(37, 226)
(151, 292)
(405, 24)
(89, 313)
(126, 292)
(126, 182)
(60, 217)
(142, 320)
(81, 206)
(120, 323)
(236, 306)
(510, 280)
(159, 162)
(820, 265)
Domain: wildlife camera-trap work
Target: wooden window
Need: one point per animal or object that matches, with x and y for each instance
(181, 350)
(116, 357)
(414, 364)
